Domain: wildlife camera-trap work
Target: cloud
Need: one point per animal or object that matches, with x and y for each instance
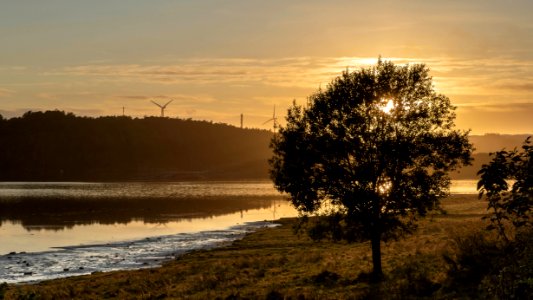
(519, 107)
(516, 86)
(299, 71)
(13, 68)
(178, 98)
(6, 113)
(456, 75)
(47, 96)
(68, 95)
(502, 117)
(256, 84)
(6, 92)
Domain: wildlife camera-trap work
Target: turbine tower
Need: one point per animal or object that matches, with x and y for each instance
(162, 107)
(274, 120)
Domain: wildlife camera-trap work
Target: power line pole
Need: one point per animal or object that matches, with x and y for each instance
(242, 121)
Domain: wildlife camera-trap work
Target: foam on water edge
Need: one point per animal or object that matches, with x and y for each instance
(126, 255)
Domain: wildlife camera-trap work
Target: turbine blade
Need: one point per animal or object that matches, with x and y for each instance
(156, 103)
(168, 103)
(269, 120)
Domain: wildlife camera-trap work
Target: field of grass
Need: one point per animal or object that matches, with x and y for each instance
(277, 264)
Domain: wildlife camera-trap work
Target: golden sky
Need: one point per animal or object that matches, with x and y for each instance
(220, 58)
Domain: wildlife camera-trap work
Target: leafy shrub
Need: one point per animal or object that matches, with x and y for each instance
(509, 207)
(483, 267)
(514, 279)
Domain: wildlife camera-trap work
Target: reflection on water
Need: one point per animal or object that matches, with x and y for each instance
(37, 216)
(466, 186)
(53, 230)
(81, 213)
(59, 213)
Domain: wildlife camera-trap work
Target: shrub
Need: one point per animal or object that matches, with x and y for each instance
(481, 266)
(509, 207)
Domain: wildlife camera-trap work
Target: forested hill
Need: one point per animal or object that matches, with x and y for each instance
(56, 146)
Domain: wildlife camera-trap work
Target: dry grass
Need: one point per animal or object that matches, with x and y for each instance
(276, 264)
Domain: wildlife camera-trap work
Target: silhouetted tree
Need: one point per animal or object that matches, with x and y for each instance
(377, 144)
(513, 206)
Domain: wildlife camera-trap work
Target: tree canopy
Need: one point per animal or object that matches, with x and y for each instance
(377, 144)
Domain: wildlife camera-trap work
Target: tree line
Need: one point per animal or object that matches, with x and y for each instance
(59, 146)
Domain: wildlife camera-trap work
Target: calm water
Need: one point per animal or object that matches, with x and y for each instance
(50, 230)
(39, 216)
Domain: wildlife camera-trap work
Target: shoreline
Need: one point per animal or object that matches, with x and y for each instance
(148, 252)
(274, 259)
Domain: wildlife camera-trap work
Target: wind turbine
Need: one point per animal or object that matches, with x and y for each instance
(162, 107)
(274, 119)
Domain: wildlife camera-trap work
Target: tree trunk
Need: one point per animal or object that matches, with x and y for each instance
(377, 273)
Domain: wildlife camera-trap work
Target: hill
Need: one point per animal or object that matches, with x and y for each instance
(492, 142)
(485, 144)
(59, 146)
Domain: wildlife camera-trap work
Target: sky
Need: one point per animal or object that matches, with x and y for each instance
(219, 58)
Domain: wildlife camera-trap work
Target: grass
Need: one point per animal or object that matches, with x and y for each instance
(276, 264)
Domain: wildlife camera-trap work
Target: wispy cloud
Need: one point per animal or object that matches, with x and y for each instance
(516, 85)
(13, 68)
(7, 113)
(181, 98)
(454, 77)
(499, 108)
(68, 95)
(276, 72)
(222, 88)
(6, 92)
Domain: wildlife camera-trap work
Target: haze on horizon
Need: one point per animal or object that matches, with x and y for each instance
(218, 59)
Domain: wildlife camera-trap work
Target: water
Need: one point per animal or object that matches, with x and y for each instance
(52, 230)
(464, 187)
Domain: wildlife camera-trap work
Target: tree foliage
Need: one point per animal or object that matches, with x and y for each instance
(377, 144)
(514, 206)
(57, 146)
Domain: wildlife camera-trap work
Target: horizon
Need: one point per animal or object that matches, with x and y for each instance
(218, 123)
(220, 60)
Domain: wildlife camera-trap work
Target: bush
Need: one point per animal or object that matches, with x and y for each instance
(512, 207)
(514, 279)
(412, 280)
(482, 266)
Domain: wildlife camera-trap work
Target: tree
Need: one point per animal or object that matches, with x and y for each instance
(377, 144)
(513, 206)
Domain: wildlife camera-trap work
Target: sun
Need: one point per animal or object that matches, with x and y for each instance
(387, 105)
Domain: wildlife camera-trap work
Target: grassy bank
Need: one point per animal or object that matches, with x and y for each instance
(276, 263)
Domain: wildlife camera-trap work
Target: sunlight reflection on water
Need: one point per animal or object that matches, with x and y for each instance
(464, 187)
(38, 216)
